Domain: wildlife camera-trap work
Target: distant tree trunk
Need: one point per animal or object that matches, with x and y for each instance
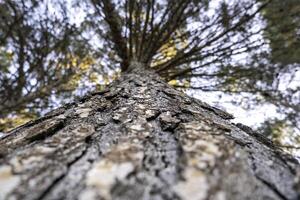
(142, 139)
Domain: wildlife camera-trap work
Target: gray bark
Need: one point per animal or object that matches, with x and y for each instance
(142, 139)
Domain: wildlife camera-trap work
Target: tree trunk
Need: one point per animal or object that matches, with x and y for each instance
(142, 139)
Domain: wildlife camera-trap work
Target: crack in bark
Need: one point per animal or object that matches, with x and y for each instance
(272, 187)
(265, 182)
(47, 133)
(42, 133)
(87, 141)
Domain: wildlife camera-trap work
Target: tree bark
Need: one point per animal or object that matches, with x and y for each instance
(142, 139)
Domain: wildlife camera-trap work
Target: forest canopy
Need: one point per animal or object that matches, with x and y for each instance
(52, 51)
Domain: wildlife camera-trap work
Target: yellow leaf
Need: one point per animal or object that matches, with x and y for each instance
(173, 82)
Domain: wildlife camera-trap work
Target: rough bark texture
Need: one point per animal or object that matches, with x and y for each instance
(142, 139)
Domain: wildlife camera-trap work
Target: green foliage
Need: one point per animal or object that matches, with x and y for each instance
(36, 47)
(5, 60)
(282, 133)
(282, 30)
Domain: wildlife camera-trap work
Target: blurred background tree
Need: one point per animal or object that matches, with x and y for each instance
(52, 51)
(282, 31)
(42, 58)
